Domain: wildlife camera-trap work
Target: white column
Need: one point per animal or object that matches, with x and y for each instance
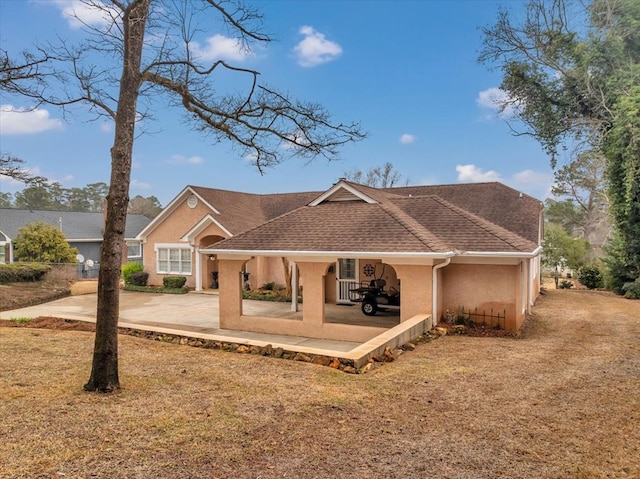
(294, 286)
(198, 270)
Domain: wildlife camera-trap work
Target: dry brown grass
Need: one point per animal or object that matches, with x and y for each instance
(562, 401)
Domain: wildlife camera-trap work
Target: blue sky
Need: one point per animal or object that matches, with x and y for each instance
(406, 70)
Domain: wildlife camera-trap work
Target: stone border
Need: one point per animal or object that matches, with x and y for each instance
(342, 364)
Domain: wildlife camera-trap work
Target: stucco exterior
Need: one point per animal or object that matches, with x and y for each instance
(491, 289)
(443, 247)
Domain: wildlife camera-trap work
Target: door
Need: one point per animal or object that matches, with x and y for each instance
(346, 279)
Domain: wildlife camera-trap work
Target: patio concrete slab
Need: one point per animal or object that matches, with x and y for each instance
(197, 315)
(190, 314)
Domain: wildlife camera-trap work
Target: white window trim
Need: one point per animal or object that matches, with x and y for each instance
(179, 246)
(138, 256)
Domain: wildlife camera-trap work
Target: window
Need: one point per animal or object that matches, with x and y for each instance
(173, 260)
(347, 268)
(134, 249)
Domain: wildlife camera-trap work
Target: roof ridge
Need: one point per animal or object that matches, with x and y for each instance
(498, 231)
(259, 195)
(414, 227)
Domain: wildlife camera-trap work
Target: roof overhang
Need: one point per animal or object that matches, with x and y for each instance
(170, 208)
(393, 256)
(203, 224)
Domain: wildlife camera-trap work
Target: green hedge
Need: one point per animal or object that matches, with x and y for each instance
(151, 289)
(23, 272)
(174, 282)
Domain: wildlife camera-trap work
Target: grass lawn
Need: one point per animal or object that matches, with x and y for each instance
(562, 401)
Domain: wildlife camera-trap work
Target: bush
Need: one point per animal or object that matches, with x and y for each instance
(151, 289)
(43, 243)
(19, 272)
(174, 282)
(590, 276)
(565, 284)
(128, 270)
(632, 290)
(139, 278)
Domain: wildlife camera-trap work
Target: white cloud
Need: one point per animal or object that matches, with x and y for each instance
(534, 183)
(140, 185)
(530, 176)
(314, 49)
(220, 47)
(495, 99)
(184, 160)
(79, 14)
(407, 138)
(22, 121)
(106, 127)
(473, 174)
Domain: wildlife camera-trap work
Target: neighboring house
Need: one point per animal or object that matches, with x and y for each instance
(83, 230)
(471, 246)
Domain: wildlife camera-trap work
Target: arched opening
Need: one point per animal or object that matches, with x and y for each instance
(210, 272)
(375, 291)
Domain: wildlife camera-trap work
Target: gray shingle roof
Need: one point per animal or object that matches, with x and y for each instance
(75, 225)
(487, 217)
(243, 211)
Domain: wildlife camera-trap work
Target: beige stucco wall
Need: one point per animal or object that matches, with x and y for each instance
(415, 285)
(169, 231)
(485, 287)
(501, 288)
(266, 269)
(312, 324)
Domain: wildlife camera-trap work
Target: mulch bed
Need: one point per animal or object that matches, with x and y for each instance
(45, 322)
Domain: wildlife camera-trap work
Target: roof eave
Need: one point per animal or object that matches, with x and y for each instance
(502, 254)
(339, 254)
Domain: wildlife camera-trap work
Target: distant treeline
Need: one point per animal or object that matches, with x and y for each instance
(40, 195)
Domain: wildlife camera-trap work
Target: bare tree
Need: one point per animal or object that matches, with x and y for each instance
(154, 44)
(379, 177)
(582, 183)
(14, 168)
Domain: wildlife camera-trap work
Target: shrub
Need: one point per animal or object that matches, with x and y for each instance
(44, 243)
(269, 286)
(632, 290)
(19, 272)
(151, 289)
(130, 268)
(139, 278)
(590, 276)
(565, 284)
(174, 282)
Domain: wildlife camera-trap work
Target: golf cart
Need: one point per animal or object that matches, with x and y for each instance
(374, 297)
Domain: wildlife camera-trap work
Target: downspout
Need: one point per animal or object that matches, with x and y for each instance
(434, 289)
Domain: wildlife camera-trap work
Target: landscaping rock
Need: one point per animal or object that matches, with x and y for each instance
(302, 357)
(322, 360)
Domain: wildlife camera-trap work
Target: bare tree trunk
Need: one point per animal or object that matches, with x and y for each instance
(104, 371)
(287, 276)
